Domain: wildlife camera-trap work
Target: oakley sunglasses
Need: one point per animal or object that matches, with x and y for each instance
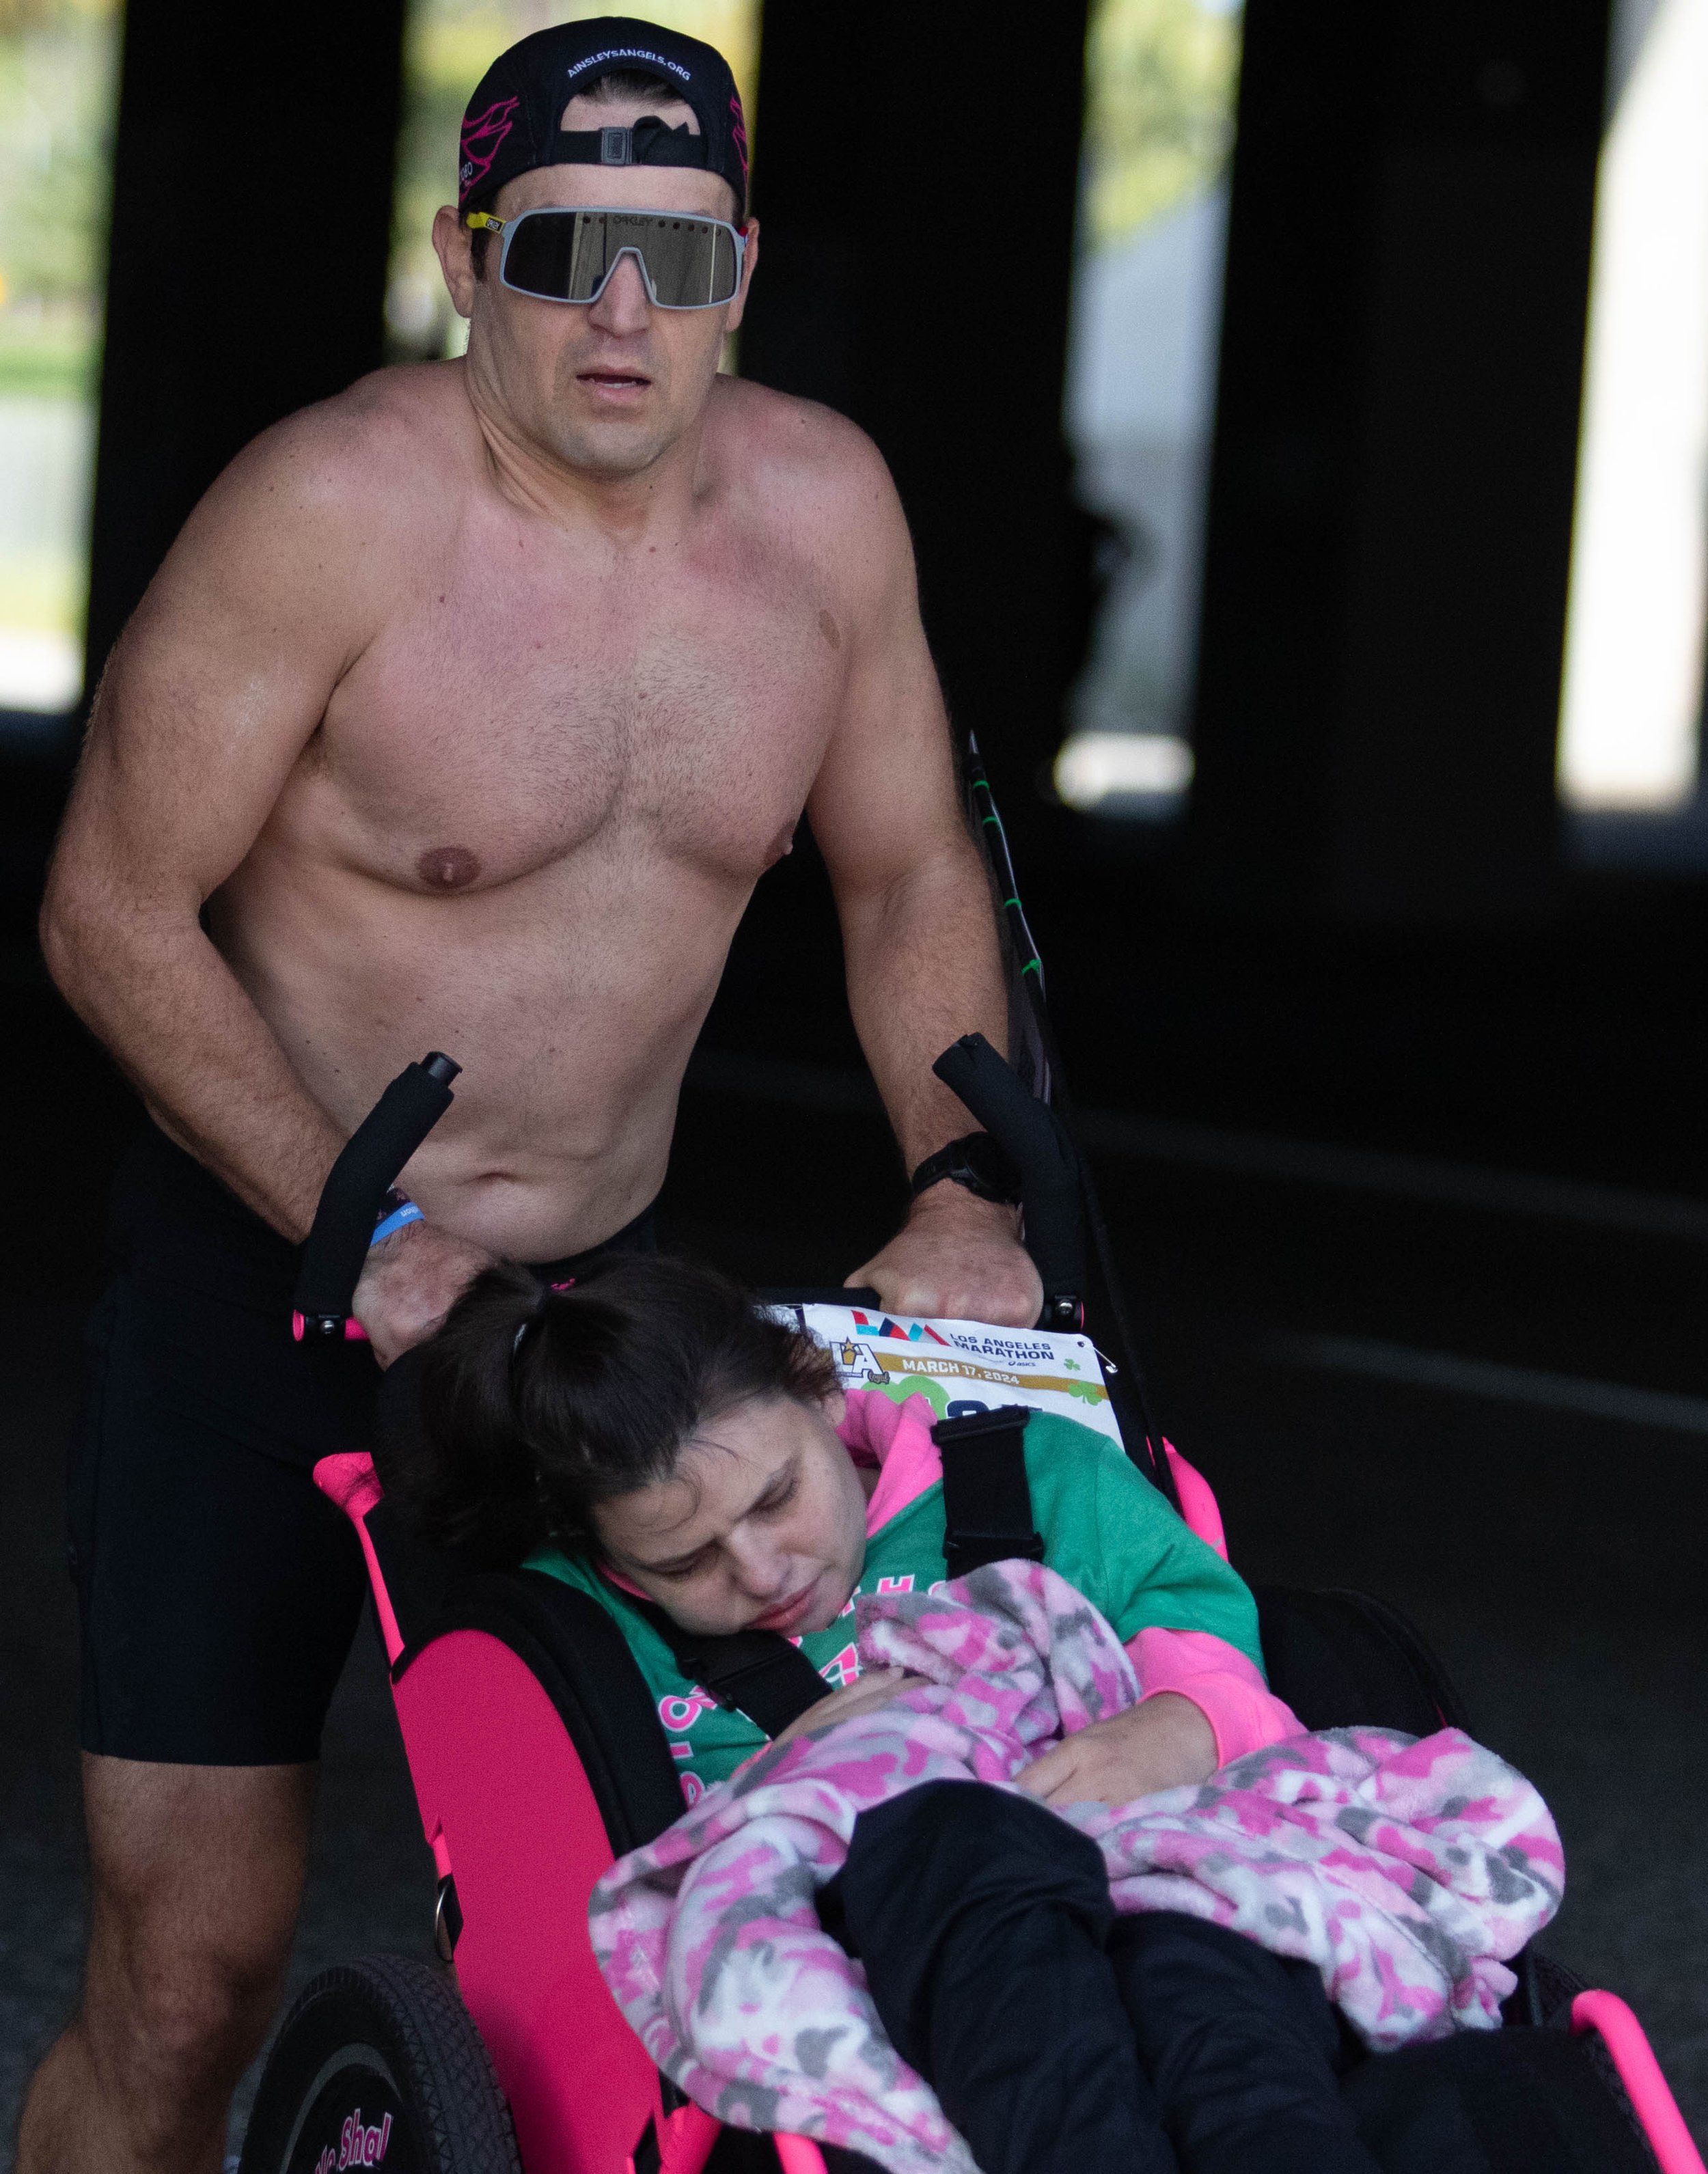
(562, 256)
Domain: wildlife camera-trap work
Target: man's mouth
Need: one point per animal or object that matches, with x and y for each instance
(788, 1613)
(605, 382)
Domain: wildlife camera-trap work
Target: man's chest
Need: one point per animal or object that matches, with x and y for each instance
(515, 723)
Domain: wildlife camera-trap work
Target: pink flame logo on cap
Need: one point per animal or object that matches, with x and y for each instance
(739, 135)
(482, 139)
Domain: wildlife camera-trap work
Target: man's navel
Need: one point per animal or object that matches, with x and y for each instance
(448, 867)
(829, 628)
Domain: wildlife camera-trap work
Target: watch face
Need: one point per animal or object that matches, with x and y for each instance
(991, 1166)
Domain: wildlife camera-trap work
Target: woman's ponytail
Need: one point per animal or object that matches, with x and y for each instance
(452, 1455)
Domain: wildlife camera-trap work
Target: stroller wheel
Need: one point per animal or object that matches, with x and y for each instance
(378, 2064)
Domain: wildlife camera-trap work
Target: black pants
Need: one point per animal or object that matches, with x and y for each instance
(1063, 2039)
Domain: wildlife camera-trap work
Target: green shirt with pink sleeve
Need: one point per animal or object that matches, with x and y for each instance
(1186, 1619)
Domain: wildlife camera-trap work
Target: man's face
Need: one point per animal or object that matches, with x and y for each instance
(606, 387)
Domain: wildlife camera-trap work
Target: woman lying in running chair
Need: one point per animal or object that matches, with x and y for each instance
(651, 1436)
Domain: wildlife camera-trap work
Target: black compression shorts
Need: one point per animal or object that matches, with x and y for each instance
(218, 1588)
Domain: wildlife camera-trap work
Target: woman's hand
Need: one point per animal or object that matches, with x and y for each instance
(1155, 1746)
(865, 1694)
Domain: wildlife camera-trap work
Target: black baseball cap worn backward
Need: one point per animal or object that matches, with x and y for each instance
(514, 121)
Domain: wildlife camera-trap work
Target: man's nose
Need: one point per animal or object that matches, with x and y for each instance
(623, 306)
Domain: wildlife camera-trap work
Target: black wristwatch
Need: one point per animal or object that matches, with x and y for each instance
(975, 1161)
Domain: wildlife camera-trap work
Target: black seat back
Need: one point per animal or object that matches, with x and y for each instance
(1511, 2101)
(1343, 1660)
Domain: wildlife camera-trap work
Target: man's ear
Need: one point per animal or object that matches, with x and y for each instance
(737, 308)
(454, 245)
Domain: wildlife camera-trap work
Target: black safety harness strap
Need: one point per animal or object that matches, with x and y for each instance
(757, 1673)
(987, 1517)
(987, 1502)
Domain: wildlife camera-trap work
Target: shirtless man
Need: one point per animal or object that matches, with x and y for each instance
(466, 713)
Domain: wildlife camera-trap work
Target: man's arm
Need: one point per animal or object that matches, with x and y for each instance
(918, 925)
(213, 692)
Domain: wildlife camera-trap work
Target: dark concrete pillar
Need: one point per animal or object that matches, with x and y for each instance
(1391, 501)
(915, 175)
(252, 213)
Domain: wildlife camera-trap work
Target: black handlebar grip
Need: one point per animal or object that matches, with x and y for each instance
(1027, 1130)
(349, 1202)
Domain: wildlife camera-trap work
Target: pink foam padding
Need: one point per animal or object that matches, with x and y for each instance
(1640, 2072)
(349, 1480)
(799, 2155)
(497, 1780)
(1197, 1500)
(689, 2135)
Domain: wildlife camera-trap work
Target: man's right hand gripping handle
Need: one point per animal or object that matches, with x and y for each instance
(402, 1296)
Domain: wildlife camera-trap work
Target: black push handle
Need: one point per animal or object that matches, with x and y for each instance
(1028, 1130)
(351, 1197)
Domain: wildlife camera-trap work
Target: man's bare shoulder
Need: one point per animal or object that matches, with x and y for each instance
(310, 526)
(302, 540)
(393, 441)
(804, 461)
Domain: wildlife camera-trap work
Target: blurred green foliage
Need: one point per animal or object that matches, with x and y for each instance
(58, 61)
(450, 45)
(58, 68)
(1161, 77)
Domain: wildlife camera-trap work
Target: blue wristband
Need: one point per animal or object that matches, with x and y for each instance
(408, 1213)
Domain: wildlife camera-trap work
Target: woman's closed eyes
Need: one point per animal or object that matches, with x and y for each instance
(775, 1499)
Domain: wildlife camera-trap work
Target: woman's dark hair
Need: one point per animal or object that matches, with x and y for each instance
(536, 1402)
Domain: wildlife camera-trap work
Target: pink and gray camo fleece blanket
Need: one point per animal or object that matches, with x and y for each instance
(1404, 1869)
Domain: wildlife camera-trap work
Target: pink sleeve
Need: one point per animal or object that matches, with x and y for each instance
(1243, 1712)
(877, 1430)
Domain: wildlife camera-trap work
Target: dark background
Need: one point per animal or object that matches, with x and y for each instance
(1325, 1028)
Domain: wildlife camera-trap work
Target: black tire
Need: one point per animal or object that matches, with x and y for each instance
(383, 2054)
